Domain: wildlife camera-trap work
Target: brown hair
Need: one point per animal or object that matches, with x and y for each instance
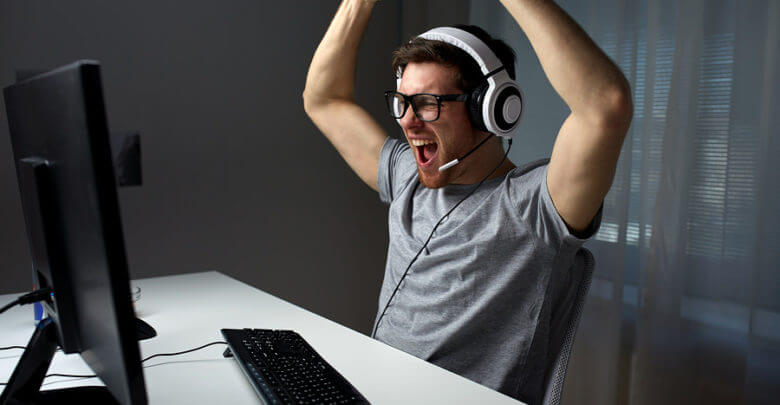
(469, 75)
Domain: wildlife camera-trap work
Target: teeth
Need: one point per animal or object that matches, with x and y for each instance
(420, 142)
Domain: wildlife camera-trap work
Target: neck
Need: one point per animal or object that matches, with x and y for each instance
(477, 165)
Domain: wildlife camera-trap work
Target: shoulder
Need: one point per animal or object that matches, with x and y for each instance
(526, 188)
(394, 148)
(531, 166)
(528, 178)
(397, 168)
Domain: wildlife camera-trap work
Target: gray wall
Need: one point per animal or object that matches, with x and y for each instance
(236, 178)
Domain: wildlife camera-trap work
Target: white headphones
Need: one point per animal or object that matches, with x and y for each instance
(495, 106)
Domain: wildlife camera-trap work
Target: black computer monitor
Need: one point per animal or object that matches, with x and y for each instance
(60, 141)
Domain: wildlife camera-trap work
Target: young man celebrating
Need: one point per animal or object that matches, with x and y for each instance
(483, 256)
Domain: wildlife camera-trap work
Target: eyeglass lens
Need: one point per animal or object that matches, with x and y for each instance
(425, 106)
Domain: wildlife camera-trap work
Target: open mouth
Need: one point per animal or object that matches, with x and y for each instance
(424, 150)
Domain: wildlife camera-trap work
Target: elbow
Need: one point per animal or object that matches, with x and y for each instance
(623, 105)
(309, 103)
(314, 103)
(617, 109)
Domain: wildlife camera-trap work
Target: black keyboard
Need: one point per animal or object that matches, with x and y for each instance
(284, 369)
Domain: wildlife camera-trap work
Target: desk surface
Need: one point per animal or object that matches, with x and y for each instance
(189, 310)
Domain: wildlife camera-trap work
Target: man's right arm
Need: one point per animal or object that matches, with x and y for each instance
(329, 94)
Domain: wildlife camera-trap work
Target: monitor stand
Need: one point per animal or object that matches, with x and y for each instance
(24, 387)
(143, 330)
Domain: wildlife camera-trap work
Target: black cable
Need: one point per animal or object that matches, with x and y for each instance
(59, 349)
(477, 147)
(376, 326)
(72, 375)
(64, 375)
(9, 306)
(186, 351)
(42, 294)
(142, 361)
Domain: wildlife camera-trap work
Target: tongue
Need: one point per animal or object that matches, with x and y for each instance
(429, 151)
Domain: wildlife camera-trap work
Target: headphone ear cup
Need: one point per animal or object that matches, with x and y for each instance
(474, 106)
(508, 108)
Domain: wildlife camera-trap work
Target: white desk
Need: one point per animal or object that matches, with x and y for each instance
(189, 310)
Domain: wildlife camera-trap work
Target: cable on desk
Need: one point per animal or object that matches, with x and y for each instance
(10, 305)
(184, 352)
(72, 375)
(59, 349)
(142, 361)
(64, 375)
(34, 296)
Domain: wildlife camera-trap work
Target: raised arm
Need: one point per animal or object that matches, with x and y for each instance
(588, 145)
(328, 97)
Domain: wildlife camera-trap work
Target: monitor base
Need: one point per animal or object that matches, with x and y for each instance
(143, 330)
(24, 387)
(76, 395)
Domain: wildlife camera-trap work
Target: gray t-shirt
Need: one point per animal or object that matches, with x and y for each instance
(485, 298)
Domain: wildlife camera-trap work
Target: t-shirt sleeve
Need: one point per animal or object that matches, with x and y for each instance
(397, 169)
(532, 197)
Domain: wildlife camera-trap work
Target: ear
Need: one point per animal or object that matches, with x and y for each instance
(474, 106)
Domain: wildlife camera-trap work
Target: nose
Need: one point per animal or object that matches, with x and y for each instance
(410, 120)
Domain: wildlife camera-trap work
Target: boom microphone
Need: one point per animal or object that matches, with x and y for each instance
(456, 161)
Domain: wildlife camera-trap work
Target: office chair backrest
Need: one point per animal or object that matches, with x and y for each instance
(557, 372)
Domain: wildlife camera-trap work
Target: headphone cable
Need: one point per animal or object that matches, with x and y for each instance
(376, 325)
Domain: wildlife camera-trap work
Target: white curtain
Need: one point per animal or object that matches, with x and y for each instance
(685, 302)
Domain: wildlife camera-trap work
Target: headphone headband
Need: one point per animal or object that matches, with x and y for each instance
(475, 47)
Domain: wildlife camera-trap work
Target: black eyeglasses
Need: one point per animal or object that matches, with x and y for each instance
(426, 106)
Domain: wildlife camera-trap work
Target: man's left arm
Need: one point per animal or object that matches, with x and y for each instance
(588, 145)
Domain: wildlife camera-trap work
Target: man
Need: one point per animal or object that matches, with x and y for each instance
(483, 294)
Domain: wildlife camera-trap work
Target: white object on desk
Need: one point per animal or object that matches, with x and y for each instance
(189, 310)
